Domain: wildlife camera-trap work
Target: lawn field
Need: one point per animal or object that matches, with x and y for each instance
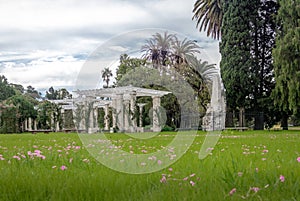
(249, 165)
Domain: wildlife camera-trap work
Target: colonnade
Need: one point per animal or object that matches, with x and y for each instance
(124, 114)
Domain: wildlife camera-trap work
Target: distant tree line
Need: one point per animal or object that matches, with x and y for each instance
(18, 104)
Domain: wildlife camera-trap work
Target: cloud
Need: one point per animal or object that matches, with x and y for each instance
(45, 43)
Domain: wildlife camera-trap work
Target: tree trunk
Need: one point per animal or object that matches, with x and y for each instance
(242, 122)
(259, 121)
(229, 119)
(284, 121)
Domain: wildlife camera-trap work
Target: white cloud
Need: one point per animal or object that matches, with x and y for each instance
(45, 43)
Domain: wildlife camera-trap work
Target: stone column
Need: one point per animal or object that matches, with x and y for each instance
(114, 115)
(25, 125)
(126, 115)
(57, 126)
(52, 121)
(120, 112)
(132, 109)
(156, 104)
(29, 123)
(96, 126)
(91, 119)
(141, 105)
(106, 117)
(35, 125)
(62, 111)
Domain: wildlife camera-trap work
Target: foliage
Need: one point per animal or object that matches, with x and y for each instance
(60, 94)
(48, 114)
(127, 64)
(6, 90)
(235, 47)
(287, 57)
(106, 74)
(209, 14)
(32, 92)
(9, 118)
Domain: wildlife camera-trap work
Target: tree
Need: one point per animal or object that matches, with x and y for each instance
(51, 94)
(262, 33)
(106, 74)
(236, 60)
(287, 59)
(6, 90)
(25, 108)
(32, 92)
(60, 94)
(157, 50)
(209, 15)
(127, 64)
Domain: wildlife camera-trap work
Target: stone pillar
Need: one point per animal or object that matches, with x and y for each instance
(52, 121)
(57, 126)
(91, 119)
(96, 126)
(126, 115)
(62, 111)
(156, 104)
(25, 125)
(141, 105)
(120, 112)
(29, 123)
(114, 114)
(132, 109)
(106, 117)
(35, 125)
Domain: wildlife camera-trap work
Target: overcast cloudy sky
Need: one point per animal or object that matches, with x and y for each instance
(45, 43)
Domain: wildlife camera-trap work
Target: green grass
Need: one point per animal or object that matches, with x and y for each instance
(240, 160)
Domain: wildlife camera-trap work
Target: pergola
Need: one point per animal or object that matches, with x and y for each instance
(122, 100)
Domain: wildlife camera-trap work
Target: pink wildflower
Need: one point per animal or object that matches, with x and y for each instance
(192, 183)
(255, 189)
(159, 162)
(185, 178)
(232, 191)
(298, 159)
(192, 175)
(17, 157)
(163, 179)
(170, 169)
(63, 167)
(281, 178)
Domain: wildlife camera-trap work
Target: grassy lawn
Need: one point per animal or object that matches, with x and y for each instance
(250, 165)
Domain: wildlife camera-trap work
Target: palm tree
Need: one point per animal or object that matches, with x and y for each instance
(106, 74)
(158, 49)
(181, 50)
(208, 14)
(207, 71)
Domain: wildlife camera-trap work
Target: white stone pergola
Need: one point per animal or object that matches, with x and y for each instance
(122, 100)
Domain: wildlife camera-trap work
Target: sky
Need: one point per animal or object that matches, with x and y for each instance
(48, 43)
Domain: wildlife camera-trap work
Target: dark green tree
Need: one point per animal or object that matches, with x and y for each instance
(287, 59)
(32, 92)
(106, 74)
(236, 60)
(6, 90)
(127, 64)
(263, 26)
